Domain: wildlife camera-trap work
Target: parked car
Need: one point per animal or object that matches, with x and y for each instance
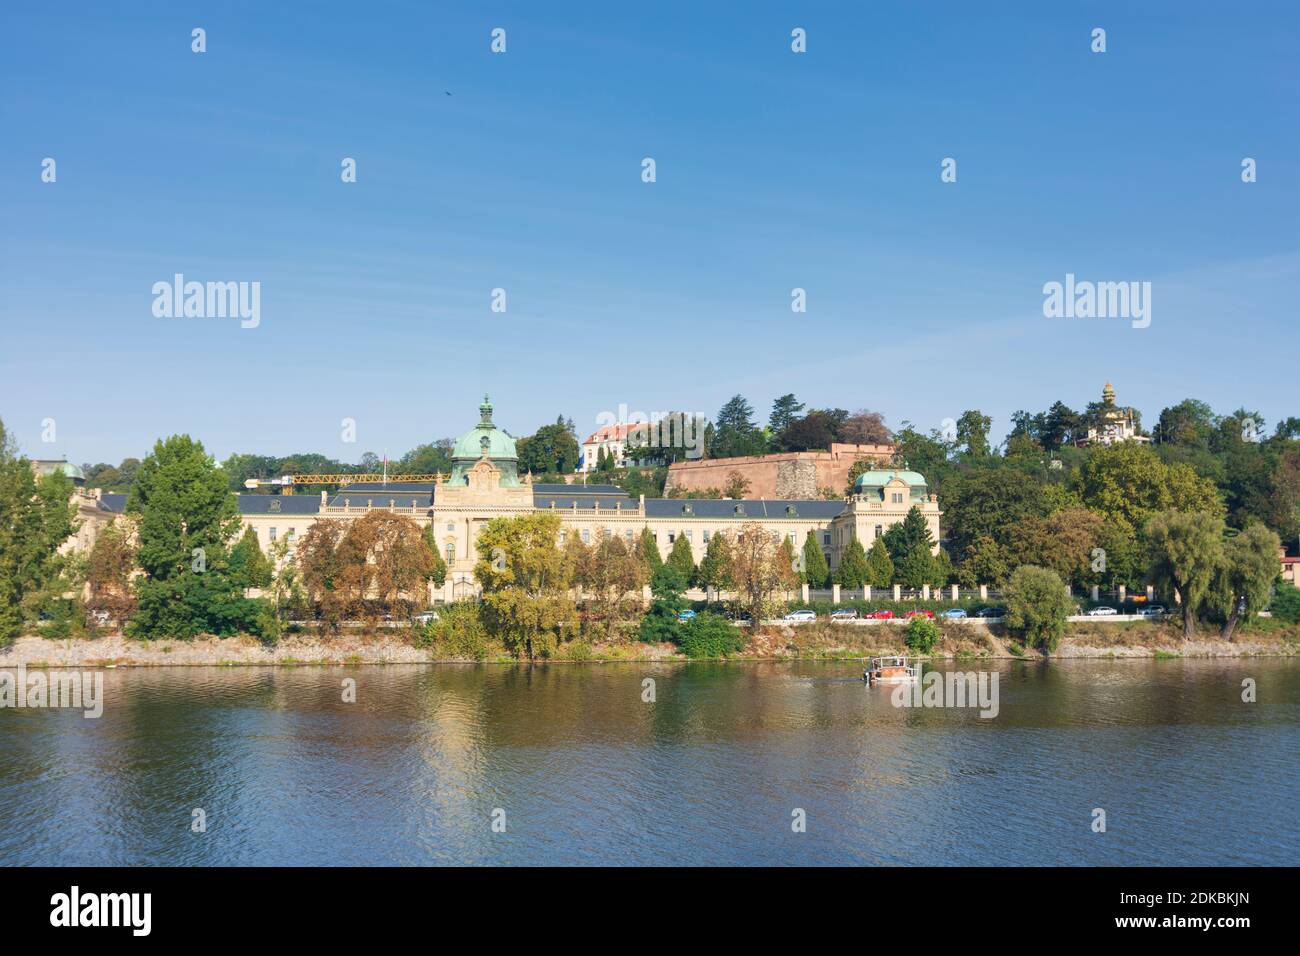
(989, 612)
(955, 613)
(425, 617)
(924, 612)
(741, 617)
(803, 615)
(684, 616)
(1155, 610)
(1102, 612)
(845, 614)
(882, 615)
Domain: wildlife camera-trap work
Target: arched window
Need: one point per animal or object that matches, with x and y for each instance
(451, 552)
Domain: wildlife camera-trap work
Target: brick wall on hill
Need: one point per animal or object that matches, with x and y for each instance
(789, 475)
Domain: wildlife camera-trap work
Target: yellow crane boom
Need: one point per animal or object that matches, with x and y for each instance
(287, 482)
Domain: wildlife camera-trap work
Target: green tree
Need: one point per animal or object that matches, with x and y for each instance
(36, 517)
(853, 570)
(1184, 552)
(680, 557)
(249, 567)
(1127, 483)
(816, 570)
(986, 563)
(551, 449)
(1038, 605)
(1245, 576)
(911, 546)
(660, 623)
(973, 433)
(650, 550)
(735, 433)
(880, 567)
(187, 519)
(784, 411)
(1286, 603)
(715, 567)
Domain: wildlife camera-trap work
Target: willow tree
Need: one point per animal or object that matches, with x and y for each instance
(1184, 552)
(1245, 576)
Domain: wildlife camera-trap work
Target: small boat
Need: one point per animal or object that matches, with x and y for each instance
(890, 670)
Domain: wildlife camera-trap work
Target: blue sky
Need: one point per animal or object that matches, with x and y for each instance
(774, 171)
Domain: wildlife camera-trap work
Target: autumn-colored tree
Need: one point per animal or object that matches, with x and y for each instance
(737, 485)
(108, 570)
(386, 564)
(1063, 541)
(525, 581)
(758, 569)
(613, 585)
(321, 567)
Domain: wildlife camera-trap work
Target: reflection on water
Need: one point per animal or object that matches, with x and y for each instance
(586, 772)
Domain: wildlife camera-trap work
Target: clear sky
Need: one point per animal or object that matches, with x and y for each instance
(775, 170)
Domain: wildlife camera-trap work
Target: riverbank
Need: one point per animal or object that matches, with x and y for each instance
(822, 641)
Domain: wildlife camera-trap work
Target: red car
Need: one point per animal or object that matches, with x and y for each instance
(921, 613)
(882, 615)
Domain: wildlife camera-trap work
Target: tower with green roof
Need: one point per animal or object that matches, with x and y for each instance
(485, 440)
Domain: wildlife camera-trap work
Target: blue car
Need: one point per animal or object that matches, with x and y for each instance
(955, 612)
(685, 616)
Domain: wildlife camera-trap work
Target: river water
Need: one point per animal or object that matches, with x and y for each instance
(722, 767)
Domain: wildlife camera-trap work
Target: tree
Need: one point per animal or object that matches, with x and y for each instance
(1245, 576)
(709, 636)
(36, 517)
(322, 570)
(715, 568)
(386, 563)
(734, 433)
(1064, 541)
(986, 563)
(1128, 483)
(188, 518)
(784, 411)
(973, 432)
(737, 485)
(816, 569)
(988, 502)
(660, 623)
(815, 431)
(249, 567)
(880, 568)
(650, 550)
(1286, 603)
(551, 449)
(758, 569)
(525, 582)
(1190, 422)
(680, 557)
(614, 584)
(1184, 551)
(1038, 604)
(865, 428)
(910, 545)
(108, 570)
(853, 571)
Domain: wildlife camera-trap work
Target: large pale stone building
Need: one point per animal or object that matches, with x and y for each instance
(485, 483)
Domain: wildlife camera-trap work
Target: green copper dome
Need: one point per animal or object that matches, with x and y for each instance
(873, 482)
(485, 439)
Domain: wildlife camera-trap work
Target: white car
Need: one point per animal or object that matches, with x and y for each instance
(426, 617)
(1155, 610)
(1102, 612)
(804, 615)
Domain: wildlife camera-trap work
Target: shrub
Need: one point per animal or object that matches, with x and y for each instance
(1286, 603)
(921, 634)
(1038, 603)
(708, 635)
(458, 632)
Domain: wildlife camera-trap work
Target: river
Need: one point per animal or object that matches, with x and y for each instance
(729, 764)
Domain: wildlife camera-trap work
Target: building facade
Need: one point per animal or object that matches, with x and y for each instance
(484, 484)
